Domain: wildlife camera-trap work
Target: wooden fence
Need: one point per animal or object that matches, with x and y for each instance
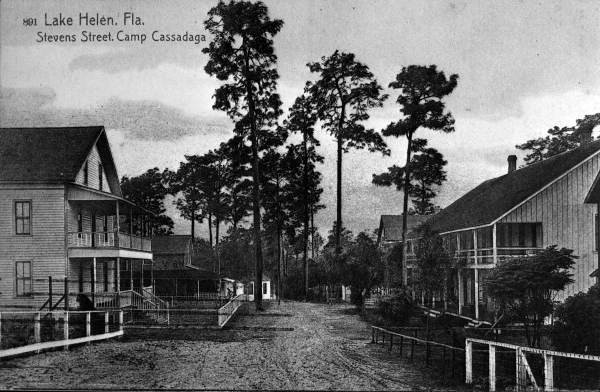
(29, 324)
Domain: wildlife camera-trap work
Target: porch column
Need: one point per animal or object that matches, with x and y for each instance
(94, 281)
(476, 277)
(117, 226)
(118, 280)
(494, 245)
(476, 274)
(461, 293)
(152, 277)
(130, 228)
(142, 277)
(130, 261)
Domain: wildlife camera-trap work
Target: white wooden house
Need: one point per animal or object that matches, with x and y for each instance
(553, 202)
(62, 215)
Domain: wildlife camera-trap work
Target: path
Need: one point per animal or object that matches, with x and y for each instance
(292, 346)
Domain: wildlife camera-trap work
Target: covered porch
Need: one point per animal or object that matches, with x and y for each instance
(109, 282)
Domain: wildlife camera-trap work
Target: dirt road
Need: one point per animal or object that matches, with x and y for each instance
(292, 346)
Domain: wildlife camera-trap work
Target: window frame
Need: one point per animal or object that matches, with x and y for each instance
(18, 218)
(24, 294)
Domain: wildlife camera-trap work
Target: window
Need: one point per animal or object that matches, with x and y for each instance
(23, 278)
(265, 287)
(105, 275)
(251, 288)
(85, 173)
(79, 224)
(100, 179)
(23, 217)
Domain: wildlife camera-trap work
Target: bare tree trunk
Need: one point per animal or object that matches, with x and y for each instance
(193, 226)
(217, 246)
(306, 216)
(210, 233)
(312, 231)
(340, 142)
(405, 211)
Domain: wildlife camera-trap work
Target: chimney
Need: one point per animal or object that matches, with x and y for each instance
(585, 136)
(512, 163)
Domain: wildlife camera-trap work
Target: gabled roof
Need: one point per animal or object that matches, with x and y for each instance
(52, 154)
(390, 226)
(171, 244)
(493, 198)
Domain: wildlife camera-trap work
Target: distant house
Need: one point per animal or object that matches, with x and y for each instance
(552, 202)
(388, 236)
(175, 275)
(390, 229)
(266, 290)
(172, 252)
(63, 216)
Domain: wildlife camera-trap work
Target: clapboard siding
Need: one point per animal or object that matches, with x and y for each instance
(45, 247)
(566, 220)
(93, 160)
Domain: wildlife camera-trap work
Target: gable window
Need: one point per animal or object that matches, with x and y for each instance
(23, 278)
(100, 178)
(85, 173)
(23, 217)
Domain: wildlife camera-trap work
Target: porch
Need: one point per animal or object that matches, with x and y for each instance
(101, 221)
(474, 252)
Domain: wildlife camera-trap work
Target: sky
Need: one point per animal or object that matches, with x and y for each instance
(523, 68)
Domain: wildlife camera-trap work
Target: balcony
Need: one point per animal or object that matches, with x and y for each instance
(110, 240)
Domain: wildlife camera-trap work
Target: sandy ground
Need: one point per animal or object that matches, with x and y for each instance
(291, 346)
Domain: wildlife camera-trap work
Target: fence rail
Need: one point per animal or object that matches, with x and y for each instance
(447, 359)
(23, 332)
(226, 312)
(526, 367)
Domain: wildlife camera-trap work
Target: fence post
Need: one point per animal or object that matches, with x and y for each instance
(468, 362)
(66, 293)
(391, 342)
(36, 328)
(50, 303)
(492, 367)
(106, 330)
(548, 372)
(521, 376)
(401, 344)
(88, 324)
(372, 335)
(120, 320)
(66, 329)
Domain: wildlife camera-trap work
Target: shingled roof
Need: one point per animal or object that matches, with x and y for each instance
(52, 154)
(171, 244)
(493, 198)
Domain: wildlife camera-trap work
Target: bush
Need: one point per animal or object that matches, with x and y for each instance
(398, 308)
(577, 325)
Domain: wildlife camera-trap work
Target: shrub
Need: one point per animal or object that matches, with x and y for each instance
(398, 308)
(577, 325)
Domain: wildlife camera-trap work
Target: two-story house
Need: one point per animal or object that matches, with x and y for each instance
(63, 218)
(552, 202)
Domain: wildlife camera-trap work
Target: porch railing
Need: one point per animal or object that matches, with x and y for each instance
(108, 239)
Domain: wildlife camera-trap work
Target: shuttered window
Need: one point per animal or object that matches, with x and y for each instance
(264, 288)
(23, 217)
(23, 278)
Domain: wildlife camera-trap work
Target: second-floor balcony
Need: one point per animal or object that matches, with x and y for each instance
(109, 240)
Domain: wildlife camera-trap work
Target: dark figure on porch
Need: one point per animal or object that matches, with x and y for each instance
(84, 303)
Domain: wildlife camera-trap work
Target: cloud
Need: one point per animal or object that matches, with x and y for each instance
(142, 120)
(137, 59)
